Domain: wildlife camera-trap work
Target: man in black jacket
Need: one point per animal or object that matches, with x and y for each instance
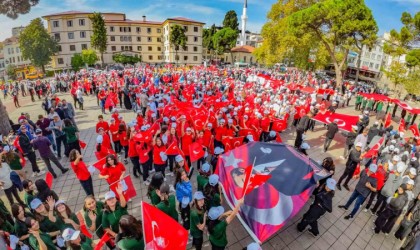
(373, 131)
(332, 129)
(25, 143)
(350, 138)
(301, 128)
(355, 157)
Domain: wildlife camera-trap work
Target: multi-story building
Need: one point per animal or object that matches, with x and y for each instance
(2, 65)
(16, 30)
(251, 39)
(12, 53)
(147, 39)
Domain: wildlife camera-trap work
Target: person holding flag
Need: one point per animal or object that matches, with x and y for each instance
(81, 171)
(112, 171)
(321, 205)
(217, 224)
(198, 218)
(113, 211)
(159, 156)
(75, 240)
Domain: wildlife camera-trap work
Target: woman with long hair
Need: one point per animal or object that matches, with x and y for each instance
(81, 171)
(20, 228)
(143, 149)
(203, 176)
(15, 161)
(183, 190)
(92, 214)
(198, 220)
(44, 214)
(217, 224)
(38, 239)
(130, 236)
(44, 191)
(167, 202)
(213, 192)
(72, 136)
(29, 191)
(113, 171)
(172, 140)
(132, 152)
(159, 156)
(113, 211)
(76, 241)
(156, 182)
(65, 217)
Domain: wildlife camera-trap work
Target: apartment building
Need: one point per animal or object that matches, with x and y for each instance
(131, 37)
(12, 53)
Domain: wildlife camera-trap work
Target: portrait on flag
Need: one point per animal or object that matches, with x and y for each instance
(273, 203)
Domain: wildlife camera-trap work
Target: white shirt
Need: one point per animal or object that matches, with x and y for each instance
(5, 175)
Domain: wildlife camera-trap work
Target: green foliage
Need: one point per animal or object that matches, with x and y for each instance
(413, 58)
(177, 38)
(11, 71)
(412, 83)
(224, 40)
(396, 73)
(125, 59)
(231, 20)
(98, 40)
(89, 56)
(14, 8)
(77, 61)
(36, 44)
(208, 38)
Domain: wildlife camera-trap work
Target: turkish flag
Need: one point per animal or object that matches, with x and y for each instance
(144, 136)
(161, 231)
(227, 143)
(415, 130)
(401, 128)
(106, 237)
(236, 141)
(199, 122)
(374, 150)
(82, 144)
(127, 185)
(196, 151)
(253, 180)
(173, 149)
(245, 132)
(155, 127)
(99, 165)
(279, 125)
(49, 179)
(387, 120)
(278, 138)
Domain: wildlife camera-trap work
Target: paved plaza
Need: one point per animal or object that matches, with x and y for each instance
(335, 232)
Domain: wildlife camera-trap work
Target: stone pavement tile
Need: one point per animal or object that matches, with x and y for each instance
(338, 246)
(296, 245)
(231, 237)
(335, 231)
(277, 243)
(247, 240)
(377, 239)
(236, 246)
(329, 238)
(240, 232)
(346, 241)
(306, 239)
(355, 247)
(321, 243)
(286, 237)
(373, 246)
(353, 231)
(340, 224)
(325, 223)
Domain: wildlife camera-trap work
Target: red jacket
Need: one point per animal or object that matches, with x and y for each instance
(156, 154)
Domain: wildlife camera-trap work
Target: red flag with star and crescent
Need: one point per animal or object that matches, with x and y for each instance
(196, 151)
(172, 149)
(253, 180)
(415, 130)
(375, 149)
(161, 231)
(401, 127)
(127, 187)
(387, 120)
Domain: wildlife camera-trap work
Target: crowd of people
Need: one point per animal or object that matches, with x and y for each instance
(173, 108)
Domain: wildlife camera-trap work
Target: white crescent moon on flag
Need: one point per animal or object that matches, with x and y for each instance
(159, 241)
(340, 122)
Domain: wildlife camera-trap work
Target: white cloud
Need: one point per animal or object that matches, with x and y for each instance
(406, 2)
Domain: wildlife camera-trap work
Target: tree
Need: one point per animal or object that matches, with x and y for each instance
(124, 59)
(224, 40)
(339, 25)
(89, 56)
(36, 44)
(77, 61)
(177, 38)
(413, 58)
(14, 8)
(231, 20)
(411, 84)
(98, 40)
(5, 126)
(208, 39)
(397, 73)
(11, 71)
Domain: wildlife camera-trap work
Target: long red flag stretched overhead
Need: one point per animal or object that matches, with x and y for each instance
(161, 231)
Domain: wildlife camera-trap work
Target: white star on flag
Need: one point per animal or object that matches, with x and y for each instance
(231, 160)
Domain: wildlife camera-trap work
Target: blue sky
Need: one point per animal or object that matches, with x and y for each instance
(387, 12)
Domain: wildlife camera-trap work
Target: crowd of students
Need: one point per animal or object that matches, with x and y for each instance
(167, 104)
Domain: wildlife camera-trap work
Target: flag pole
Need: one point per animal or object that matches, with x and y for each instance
(252, 168)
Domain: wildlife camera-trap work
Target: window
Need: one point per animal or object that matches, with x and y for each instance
(138, 39)
(18, 59)
(371, 65)
(130, 48)
(57, 37)
(377, 66)
(149, 30)
(72, 47)
(195, 49)
(159, 57)
(69, 23)
(70, 35)
(13, 50)
(60, 61)
(113, 48)
(84, 46)
(150, 57)
(17, 50)
(159, 48)
(159, 39)
(149, 39)
(378, 57)
(159, 30)
(82, 34)
(186, 48)
(121, 29)
(185, 58)
(81, 22)
(112, 38)
(195, 58)
(121, 38)
(129, 29)
(373, 56)
(195, 39)
(111, 29)
(13, 59)
(149, 48)
(138, 29)
(122, 48)
(56, 24)
(245, 59)
(195, 29)
(59, 48)
(185, 28)
(138, 48)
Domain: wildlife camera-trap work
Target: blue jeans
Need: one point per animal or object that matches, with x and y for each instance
(51, 138)
(359, 201)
